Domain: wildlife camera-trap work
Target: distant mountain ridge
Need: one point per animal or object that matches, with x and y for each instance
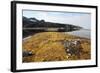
(33, 22)
(31, 25)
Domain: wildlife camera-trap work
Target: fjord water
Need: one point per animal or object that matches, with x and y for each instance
(85, 33)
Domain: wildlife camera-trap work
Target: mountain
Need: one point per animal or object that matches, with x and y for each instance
(32, 25)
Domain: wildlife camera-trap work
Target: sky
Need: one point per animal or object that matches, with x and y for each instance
(74, 18)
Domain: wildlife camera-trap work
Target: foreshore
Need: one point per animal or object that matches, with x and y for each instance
(49, 46)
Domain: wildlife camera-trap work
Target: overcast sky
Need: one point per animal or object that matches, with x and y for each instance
(80, 19)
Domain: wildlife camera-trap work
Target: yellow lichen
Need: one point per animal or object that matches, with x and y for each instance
(47, 46)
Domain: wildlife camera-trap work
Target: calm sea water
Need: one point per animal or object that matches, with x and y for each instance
(86, 33)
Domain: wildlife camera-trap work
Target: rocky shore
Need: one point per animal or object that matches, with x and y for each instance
(55, 46)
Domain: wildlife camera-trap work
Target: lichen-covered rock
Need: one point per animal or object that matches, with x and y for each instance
(50, 46)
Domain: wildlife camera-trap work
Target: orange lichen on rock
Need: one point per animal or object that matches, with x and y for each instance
(47, 46)
(51, 52)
